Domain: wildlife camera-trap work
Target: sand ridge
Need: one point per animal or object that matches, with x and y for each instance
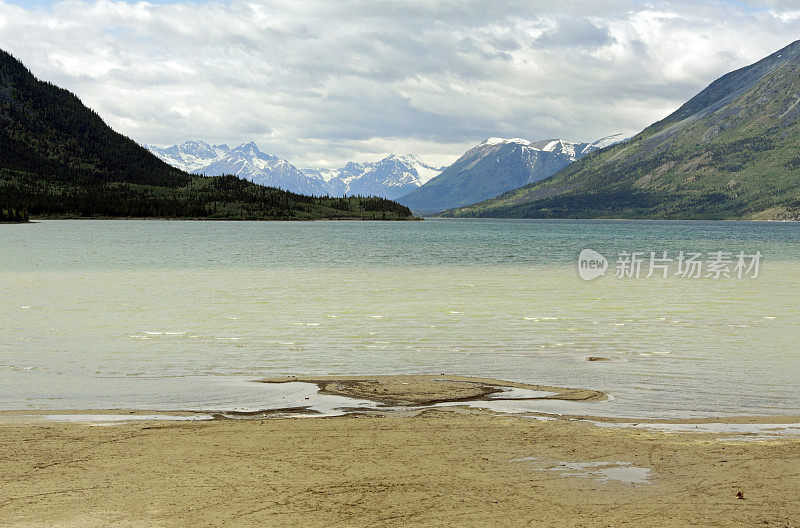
(415, 390)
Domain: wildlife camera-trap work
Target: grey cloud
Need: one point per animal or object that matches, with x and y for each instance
(576, 34)
(323, 80)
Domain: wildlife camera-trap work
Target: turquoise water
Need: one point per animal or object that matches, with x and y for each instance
(180, 315)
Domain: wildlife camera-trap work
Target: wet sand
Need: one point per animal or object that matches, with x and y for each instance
(442, 467)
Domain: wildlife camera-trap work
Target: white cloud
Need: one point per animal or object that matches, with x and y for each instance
(326, 82)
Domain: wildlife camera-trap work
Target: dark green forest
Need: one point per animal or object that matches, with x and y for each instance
(58, 159)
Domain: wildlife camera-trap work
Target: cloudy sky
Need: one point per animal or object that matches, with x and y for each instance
(321, 82)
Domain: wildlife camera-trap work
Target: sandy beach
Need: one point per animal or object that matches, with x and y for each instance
(434, 467)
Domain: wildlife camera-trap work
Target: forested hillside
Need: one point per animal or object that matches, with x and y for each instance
(59, 159)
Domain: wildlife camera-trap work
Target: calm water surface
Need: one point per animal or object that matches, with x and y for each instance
(180, 315)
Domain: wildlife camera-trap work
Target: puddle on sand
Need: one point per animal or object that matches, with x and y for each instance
(624, 472)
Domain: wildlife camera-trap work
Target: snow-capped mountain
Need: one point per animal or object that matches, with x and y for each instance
(390, 177)
(190, 155)
(248, 162)
(495, 166)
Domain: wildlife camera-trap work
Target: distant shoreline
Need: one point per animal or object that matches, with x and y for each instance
(204, 219)
(613, 219)
(408, 219)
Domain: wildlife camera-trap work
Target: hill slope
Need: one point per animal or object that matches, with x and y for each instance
(493, 167)
(59, 159)
(731, 152)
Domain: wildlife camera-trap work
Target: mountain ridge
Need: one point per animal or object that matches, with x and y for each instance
(390, 177)
(497, 165)
(729, 152)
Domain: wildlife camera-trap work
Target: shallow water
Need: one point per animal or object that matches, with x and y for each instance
(179, 315)
(605, 472)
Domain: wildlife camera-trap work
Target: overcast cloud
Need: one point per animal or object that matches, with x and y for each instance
(323, 82)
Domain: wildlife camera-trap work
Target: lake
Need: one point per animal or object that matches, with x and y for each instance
(181, 315)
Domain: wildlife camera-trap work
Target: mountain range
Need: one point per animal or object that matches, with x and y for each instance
(493, 167)
(58, 159)
(391, 177)
(496, 166)
(730, 152)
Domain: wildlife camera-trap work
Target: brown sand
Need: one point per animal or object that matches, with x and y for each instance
(440, 468)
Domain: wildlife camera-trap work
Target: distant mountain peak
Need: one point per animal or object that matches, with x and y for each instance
(503, 141)
(250, 149)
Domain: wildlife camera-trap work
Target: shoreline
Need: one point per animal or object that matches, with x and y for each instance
(127, 416)
(384, 396)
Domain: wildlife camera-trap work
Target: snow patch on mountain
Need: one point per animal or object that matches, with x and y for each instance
(604, 142)
(559, 146)
(502, 141)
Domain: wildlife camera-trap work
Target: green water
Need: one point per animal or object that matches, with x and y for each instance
(175, 315)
